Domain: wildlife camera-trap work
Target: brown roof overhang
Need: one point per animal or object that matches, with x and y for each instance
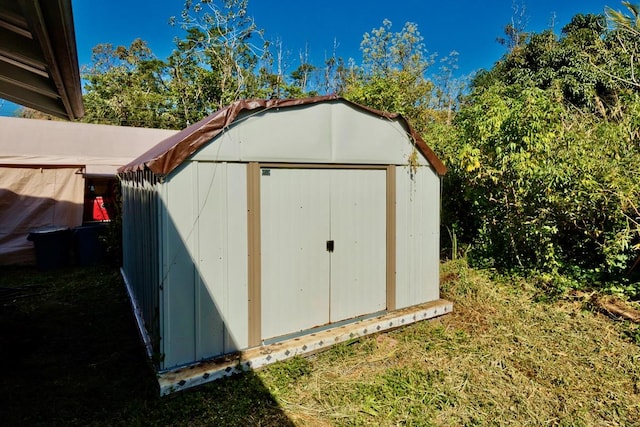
(170, 153)
(38, 57)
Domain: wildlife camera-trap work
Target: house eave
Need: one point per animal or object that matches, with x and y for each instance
(38, 57)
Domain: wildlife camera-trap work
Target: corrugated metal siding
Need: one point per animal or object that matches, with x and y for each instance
(205, 262)
(417, 236)
(141, 247)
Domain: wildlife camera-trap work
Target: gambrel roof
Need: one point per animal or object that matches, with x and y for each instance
(170, 153)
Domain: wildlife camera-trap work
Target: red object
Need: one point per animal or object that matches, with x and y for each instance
(99, 210)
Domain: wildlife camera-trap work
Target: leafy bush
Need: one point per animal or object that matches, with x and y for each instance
(541, 178)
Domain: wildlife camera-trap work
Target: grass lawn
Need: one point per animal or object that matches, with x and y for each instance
(506, 356)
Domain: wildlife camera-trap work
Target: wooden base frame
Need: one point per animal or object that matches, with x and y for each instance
(261, 356)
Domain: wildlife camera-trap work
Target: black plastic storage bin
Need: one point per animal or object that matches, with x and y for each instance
(52, 245)
(87, 245)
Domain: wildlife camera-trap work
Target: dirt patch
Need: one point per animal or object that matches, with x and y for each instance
(616, 308)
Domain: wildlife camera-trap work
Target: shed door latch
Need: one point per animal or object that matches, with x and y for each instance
(329, 245)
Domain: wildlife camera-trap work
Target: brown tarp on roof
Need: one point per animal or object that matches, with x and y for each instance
(170, 153)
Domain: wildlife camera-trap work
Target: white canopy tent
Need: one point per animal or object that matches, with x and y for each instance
(43, 170)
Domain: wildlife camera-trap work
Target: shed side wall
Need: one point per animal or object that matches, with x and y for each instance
(205, 262)
(222, 257)
(417, 236)
(178, 287)
(140, 242)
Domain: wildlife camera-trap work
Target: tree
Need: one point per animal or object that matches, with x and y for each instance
(126, 86)
(544, 164)
(625, 33)
(225, 41)
(301, 76)
(195, 90)
(30, 113)
(515, 35)
(213, 64)
(393, 72)
(567, 62)
(273, 81)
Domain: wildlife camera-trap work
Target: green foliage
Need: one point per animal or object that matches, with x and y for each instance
(222, 57)
(542, 151)
(126, 86)
(546, 161)
(396, 75)
(392, 76)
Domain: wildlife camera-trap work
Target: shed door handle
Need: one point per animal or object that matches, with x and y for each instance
(330, 245)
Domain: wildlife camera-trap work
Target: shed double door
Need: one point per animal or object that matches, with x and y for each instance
(323, 247)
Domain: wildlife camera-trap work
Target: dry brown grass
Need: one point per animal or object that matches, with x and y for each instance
(501, 358)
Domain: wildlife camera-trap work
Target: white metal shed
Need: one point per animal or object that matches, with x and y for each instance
(274, 228)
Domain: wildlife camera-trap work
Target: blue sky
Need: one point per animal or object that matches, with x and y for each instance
(467, 27)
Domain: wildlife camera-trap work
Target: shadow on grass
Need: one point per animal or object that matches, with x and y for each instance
(71, 355)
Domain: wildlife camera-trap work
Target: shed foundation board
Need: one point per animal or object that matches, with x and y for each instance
(259, 357)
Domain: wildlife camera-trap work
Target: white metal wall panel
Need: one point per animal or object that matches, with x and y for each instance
(304, 285)
(237, 309)
(226, 147)
(358, 228)
(211, 229)
(295, 264)
(362, 138)
(320, 133)
(205, 311)
(221, 303)
(417, 236)
(178, 290)
(303, 135)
